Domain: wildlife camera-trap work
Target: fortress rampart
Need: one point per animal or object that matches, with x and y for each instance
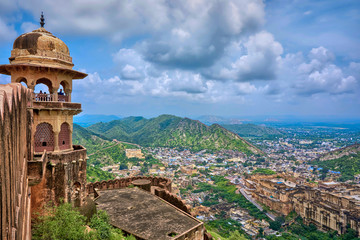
(160, 182)
(15, 149)
(162, 189)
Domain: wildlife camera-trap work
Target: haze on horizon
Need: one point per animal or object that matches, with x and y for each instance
(191, 58)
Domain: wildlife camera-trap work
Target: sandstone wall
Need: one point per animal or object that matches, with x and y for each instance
(65, 179)
(326, 217)
(15, 150)
(173, 199)
(161, 182)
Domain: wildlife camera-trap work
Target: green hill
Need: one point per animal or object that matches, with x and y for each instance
(252, 130)
(346, 151)
(90, 140)
(345, 160)
(172, 131)
(103, 152)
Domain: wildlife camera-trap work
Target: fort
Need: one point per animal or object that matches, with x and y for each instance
(39, 163)
(131, 153)
(328, 205)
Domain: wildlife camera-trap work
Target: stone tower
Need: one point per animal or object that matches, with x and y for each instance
(56, 168)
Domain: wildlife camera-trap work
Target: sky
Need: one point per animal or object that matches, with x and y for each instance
(296, 58)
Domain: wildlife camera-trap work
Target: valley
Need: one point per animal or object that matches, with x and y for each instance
(212, 180)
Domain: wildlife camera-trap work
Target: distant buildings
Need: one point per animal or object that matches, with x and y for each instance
(328, 205)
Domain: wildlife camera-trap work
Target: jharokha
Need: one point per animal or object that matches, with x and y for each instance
(39, 163)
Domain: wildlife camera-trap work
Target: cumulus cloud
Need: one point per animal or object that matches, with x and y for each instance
(7, 31)
(255, 59)
(28, 27)
(130, 64)
(187, 34)
(200, 33)
(317, 74)
(202, 51)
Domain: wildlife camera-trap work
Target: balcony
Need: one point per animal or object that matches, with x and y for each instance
(44, 97)
(55, 101)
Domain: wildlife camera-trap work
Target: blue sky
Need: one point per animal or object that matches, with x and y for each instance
(203, 57)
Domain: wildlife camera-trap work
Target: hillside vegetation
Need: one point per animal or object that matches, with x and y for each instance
(345, 160)
(90, 140)
(252, 130)
(172, 131)
(346, 151)
(102, 152)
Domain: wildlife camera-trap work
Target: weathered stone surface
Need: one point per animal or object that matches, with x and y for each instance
(147, 216)
(14, 191)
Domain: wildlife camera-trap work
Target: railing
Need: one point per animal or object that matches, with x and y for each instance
(63, 98)
(45, 97)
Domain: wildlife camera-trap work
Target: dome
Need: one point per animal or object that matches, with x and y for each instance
(40, 47)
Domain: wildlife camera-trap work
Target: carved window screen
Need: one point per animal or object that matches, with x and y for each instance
(64, 137)
(44, 138)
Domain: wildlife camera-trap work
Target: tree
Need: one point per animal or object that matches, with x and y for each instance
(99, 222)
(123, 166)
(237, 236)
(275, 225)
(219, 160)
(60, 223)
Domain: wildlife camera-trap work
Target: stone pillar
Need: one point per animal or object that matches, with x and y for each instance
(56, 141)
(32, 87)
(54, 92)
(70, 138)
(54, 96)
(68, 94)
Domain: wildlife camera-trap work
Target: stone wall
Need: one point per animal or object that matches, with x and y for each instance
(274, 204)
(161, 182)
(65, 179)
(173, 199)
(15, 150)
(197, 233)
(329, 207)
(328, 213)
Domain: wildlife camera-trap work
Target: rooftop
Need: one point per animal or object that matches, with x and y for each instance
(144, 215)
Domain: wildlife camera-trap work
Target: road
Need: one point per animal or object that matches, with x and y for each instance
(248, 197)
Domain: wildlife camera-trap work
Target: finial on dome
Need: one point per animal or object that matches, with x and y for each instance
(42, 20)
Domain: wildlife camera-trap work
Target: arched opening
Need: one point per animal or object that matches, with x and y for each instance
(44, 137)
(76, 194)
(23, 81)
(63, 92)
(64, 136)
(43, 90)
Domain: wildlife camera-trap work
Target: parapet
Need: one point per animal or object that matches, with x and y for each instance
(163, 183)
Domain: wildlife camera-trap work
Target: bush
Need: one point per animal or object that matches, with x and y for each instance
(60, 223)
(63, 222)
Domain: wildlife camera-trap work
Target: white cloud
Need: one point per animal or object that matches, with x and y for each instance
(255, 59)
(28, 27)
(185, 34)
(130, 64)
(7, 31)
(317, 73)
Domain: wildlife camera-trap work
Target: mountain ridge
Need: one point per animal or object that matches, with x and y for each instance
(172, 131)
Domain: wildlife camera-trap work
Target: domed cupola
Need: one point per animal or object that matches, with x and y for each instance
(40, 47)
